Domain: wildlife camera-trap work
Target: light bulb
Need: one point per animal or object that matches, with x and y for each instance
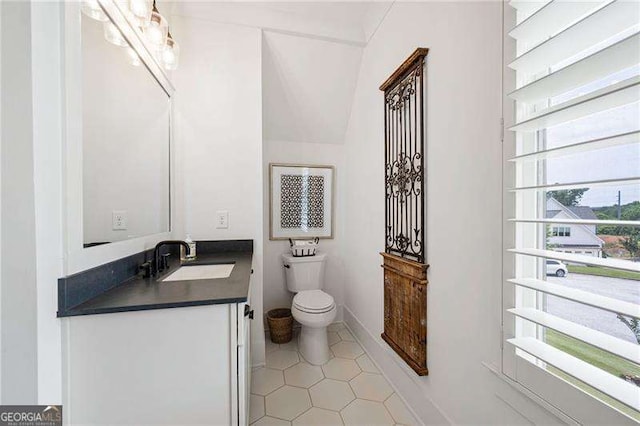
(156, 31)
(92, 9)
(141, 11)
(134, 59)
(170, 54)
(113, 35)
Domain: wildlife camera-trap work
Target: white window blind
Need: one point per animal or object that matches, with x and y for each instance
(574, 194)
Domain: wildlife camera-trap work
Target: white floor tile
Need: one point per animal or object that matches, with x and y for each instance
(333, 337)
(336, 326)
(371, 386)
(318, 416)
(287, 403)
(303, 375)
(365, 363)
(266, 380)
(282, 359)
(370, 413)
(331, 394)
(399, 411)
(346, 335)
(341, 369)
(290, 346)
(271, 421)
(269, 345)
(256, 407)
(348, 388)
(350, 350)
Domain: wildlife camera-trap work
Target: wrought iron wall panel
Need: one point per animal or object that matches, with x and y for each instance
(404, 159)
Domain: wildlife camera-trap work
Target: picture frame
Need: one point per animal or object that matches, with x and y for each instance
(300, 201)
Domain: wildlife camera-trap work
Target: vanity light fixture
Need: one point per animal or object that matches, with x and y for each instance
(134, 59)
(141, 11)
(170, 54)
(92, 9)
(157, 30)
(113, 35)
(145, 17)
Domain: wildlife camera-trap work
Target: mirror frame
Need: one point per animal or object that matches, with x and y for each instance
(78, 258)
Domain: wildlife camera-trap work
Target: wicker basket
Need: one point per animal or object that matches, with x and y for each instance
(280, 325)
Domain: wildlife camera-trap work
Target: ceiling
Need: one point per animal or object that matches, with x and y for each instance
(348, 21)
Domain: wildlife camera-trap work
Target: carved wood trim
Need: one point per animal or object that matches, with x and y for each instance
(419, 53)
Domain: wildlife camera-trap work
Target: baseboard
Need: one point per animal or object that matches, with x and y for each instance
(399, 376)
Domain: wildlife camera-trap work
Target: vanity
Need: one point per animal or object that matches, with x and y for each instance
(170, 349)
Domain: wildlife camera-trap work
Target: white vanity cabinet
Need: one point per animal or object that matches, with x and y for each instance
(187, 365)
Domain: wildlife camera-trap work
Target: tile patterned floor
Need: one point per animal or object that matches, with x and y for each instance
(347, 390)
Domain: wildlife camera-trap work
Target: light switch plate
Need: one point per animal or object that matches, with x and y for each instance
(222, 219)
(119, 220)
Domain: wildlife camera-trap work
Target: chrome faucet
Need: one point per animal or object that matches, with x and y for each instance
(159, 265)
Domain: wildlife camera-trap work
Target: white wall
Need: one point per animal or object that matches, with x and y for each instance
(464, 209)
(18, 323)
(49, 202)
(308, 87)
(218, 140)
(276, 294)
(0, 203)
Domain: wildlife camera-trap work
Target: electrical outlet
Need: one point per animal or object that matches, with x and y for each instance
(222, 219)
(119, 220)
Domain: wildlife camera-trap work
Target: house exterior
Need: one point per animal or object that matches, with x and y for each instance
(572, 238)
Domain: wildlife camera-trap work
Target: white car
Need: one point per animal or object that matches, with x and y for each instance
(557, 268)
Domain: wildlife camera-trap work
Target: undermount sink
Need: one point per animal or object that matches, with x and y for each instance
(200, 272)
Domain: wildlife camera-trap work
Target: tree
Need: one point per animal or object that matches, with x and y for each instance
(633, 324)
(568, 197)
(631, 211)
(631, 243)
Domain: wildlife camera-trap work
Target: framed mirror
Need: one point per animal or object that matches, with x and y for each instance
(125, 140)
(117, 133)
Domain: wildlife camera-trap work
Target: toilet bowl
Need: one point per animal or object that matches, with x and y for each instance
(314, 310)
(311, 307)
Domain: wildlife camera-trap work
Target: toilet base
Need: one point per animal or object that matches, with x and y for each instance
(314, 345)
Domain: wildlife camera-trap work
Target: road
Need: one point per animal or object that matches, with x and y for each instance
(627, 290)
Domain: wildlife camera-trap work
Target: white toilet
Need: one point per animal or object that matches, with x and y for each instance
(312, 308)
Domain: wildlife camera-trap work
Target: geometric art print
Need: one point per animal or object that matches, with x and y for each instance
(302, 201)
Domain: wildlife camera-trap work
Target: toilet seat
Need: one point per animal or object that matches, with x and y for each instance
(313, 301)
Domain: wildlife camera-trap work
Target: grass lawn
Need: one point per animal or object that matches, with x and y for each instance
(596, 393)
(597, 357)
(603, 272)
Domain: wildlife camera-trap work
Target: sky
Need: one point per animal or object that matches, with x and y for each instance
(617, 162)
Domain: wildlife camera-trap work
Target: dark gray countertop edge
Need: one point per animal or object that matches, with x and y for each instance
(77, 313)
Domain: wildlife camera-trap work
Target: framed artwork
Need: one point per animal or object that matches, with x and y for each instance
(301, 201)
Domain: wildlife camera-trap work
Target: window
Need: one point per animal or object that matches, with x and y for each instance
(572, 144)
(561, 231)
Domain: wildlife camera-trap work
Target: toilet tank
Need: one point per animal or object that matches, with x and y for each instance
(304, 273)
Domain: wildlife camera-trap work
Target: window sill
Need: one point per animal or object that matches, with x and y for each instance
(551, 409)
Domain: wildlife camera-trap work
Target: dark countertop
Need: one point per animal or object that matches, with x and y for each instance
(151, 293)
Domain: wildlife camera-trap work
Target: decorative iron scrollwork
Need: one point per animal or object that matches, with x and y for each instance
(404, 163)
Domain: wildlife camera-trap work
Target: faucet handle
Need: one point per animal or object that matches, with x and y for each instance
(164, 261)
(146, 269)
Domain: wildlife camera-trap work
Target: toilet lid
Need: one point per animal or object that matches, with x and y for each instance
(314, 301)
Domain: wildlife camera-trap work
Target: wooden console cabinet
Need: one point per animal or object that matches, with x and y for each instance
(405, 310)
